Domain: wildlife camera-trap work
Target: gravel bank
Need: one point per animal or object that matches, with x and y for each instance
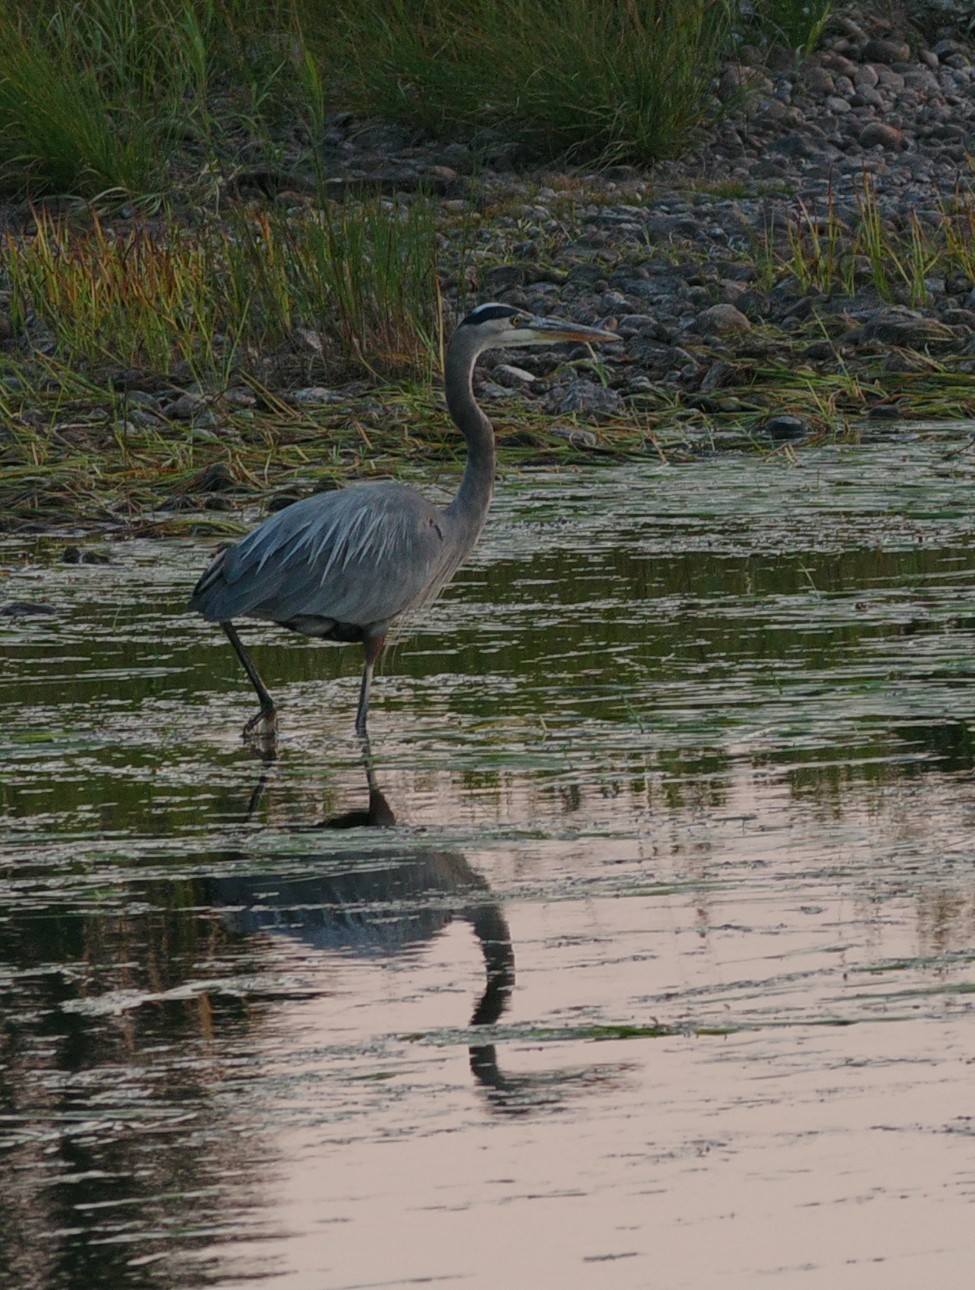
(696, 261)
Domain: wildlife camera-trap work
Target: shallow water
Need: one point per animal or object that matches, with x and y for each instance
(649, 961)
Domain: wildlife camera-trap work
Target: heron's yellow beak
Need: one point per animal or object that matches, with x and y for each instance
(554, 329)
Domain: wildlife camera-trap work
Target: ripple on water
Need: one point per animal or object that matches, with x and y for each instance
(647, 950)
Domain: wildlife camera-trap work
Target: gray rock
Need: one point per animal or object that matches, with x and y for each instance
(818, 79)
(27, 609)
(884, 50)
(492, 392)
(188, 407)
(315, 396)
(513, 377)
(719, 319)
(866, 96)
(141, 399)
(716, 376)
(886, 76)
(638, 325)
(886, 411)
(216, 478)
(950, 47)
(958, 317)
(502, 276)
(785, 427)
(589, 398)
(141, 417)
(837, 63)
(239, 397)
(82, 555)
(879, 133)
(907, 328)
(574, 435)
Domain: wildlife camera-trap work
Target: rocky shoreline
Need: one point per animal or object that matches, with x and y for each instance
(741, 277)
(692, 260)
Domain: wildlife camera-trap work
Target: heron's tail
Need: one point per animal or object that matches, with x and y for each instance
(206, 591)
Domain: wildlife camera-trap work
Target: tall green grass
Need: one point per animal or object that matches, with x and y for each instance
(134, 96)
(584, 78)
(827, 253)
(352, 290)
(605, 80)
(96, 96)
(797, 24)
(76, 109)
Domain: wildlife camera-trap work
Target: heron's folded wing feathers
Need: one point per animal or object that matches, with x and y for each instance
(358, 555)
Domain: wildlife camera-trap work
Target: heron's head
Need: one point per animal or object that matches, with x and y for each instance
(492, 326)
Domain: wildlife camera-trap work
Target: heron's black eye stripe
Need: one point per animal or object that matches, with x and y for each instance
(485, 313)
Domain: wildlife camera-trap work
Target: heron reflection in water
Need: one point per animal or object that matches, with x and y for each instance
(375, 901)
(379, 899)
(344, 565)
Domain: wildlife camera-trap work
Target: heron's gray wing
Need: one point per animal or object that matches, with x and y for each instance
(358, 555)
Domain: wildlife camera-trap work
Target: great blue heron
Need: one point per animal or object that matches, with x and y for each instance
(343, 565)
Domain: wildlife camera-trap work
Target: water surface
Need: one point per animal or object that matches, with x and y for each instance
(646, 961)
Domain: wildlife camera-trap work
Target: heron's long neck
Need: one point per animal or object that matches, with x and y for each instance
(468, 510)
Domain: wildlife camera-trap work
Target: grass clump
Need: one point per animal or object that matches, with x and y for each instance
(95, 97)
(88, 95)
(576, 77)
(846, 251)
(626, 81)
(354, 288)
(134, 96)
(797, 24)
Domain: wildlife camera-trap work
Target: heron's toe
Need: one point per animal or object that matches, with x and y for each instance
(263, 726)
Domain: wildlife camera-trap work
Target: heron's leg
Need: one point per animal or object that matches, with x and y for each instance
(268, 710)
(373, 647)
(380, 814)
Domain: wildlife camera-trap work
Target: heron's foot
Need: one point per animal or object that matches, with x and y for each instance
(263, 726)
